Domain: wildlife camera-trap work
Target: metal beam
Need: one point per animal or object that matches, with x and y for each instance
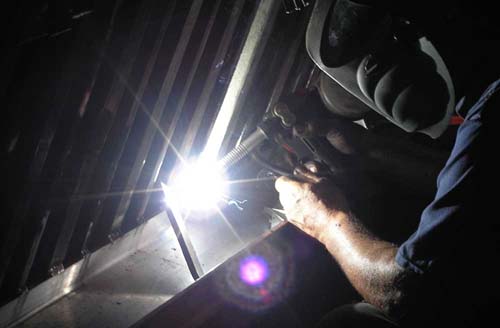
(243, 75)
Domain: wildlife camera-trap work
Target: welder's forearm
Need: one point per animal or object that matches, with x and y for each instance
(367, 261)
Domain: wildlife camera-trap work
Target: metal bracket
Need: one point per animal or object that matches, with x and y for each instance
(113, 236)
(56, 269)
(187, 247)
(276, 217)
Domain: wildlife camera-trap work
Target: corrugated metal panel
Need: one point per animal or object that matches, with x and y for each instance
(92, 106)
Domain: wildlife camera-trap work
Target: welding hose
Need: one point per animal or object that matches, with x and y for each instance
(249, 145)
(265, 130)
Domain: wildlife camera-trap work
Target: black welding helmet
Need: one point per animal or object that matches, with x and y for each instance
(384, 62)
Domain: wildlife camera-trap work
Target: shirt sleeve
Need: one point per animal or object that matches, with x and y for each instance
(446, 221)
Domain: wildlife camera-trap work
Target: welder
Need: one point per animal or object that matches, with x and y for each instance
(445, 272)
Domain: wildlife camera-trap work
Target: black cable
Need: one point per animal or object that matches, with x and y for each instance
(271, 167)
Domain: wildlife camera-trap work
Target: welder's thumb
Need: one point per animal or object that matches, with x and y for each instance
(307, 173)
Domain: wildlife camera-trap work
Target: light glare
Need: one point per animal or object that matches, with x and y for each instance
(198, 186)
(254, 270)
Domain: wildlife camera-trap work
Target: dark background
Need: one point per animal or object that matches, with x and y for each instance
(80, 80)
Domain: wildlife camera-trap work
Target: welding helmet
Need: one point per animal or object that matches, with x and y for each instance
(383, 61)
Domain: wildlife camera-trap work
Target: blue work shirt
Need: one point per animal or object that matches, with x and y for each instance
(455, 248)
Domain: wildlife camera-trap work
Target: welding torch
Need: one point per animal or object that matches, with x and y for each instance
(282, 119)
(268, 129)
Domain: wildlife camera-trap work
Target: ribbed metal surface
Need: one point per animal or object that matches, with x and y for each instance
(94, 106)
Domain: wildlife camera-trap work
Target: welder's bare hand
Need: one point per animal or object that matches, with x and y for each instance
(311, 203)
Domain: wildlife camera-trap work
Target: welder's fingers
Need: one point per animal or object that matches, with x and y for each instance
(289, 192)
(305, 173)
(285, 185)
(314, 167)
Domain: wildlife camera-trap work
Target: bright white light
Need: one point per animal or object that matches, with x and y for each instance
(198, 186)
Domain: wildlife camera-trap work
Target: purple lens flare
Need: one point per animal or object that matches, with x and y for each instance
(254, 270)
(259, 279)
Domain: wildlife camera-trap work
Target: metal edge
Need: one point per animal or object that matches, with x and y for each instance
(70, 279)
(243, 75)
